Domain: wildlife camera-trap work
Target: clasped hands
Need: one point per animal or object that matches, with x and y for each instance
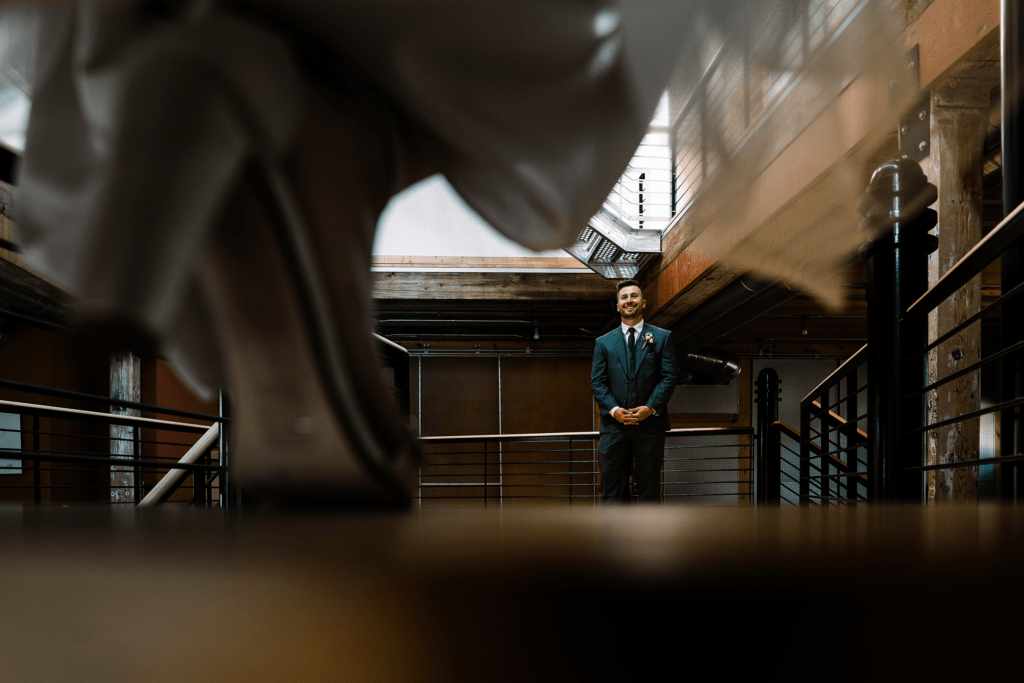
(633, 416)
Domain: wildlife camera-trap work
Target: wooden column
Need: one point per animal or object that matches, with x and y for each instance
(959, 124)
(125, 385)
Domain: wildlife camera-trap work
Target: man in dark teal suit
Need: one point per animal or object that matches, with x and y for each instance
(633, 377)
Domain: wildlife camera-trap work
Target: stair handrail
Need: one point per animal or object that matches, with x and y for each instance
(170, 481)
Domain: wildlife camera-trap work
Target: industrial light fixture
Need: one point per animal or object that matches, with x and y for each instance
(613, 249)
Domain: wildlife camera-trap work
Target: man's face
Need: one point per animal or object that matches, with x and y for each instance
(631, 302)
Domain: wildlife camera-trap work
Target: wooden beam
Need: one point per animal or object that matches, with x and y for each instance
(959, 125)
(525, 263)
(16, 276)
(499, 286)
(948, 31)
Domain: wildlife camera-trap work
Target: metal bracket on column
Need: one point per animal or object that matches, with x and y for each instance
(916, 121)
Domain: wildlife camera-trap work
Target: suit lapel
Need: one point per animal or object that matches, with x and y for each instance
(623, 351)
(641, 349)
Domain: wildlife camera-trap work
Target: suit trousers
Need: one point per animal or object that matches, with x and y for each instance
(617, 449)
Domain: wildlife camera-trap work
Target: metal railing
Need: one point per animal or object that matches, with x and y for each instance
(1006, 360)
(74, 454)
(835, 447)
(924, 386)
(826, 460)
(752, 72)
(704, 465)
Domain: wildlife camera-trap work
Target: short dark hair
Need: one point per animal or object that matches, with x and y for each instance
(628, 283)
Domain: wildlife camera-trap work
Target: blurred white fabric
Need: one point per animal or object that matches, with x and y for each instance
(542, 104)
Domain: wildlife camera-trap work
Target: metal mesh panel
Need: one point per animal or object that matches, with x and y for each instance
(695, 398)
(798, 378)
(607, 252)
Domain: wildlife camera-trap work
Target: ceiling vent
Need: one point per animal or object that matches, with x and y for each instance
(614, 250)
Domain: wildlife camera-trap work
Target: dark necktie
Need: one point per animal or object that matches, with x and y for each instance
(632, 349)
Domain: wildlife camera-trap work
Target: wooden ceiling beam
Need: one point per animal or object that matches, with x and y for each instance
(14, 274)
(492, 286)
(442, 262)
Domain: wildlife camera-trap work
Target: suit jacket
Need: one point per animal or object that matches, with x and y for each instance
(652, 383)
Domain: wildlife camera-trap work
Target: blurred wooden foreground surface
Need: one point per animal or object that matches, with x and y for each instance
(105, 595)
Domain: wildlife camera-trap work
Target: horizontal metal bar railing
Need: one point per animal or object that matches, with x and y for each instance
(118, 460)
(573, 473)
(973, 367)
(91, 436)
(995, 408)
(980, 462)
(993, 306)
(93, 416)
(584, 450)
(118, 403)
(582, 436)
(991, 247)
(83, 452)
(485, 473)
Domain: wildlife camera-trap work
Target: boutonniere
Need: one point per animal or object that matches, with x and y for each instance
(648, 339)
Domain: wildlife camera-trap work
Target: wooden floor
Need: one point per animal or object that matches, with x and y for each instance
(91, 594)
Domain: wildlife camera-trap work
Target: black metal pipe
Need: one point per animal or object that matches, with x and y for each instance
(893, 207)
(1011, 475)
(718, 364)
